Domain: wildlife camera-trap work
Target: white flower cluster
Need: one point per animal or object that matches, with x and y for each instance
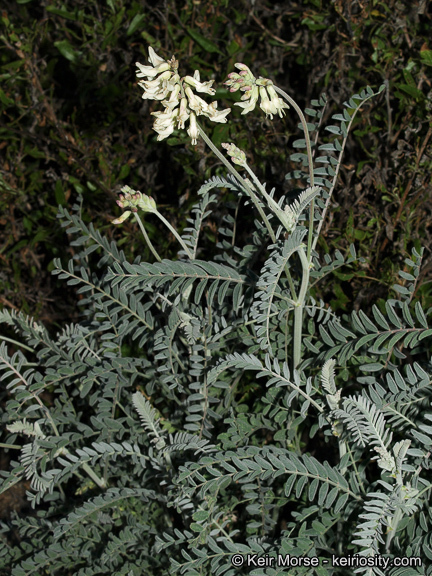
(177, 96)
(253, 89)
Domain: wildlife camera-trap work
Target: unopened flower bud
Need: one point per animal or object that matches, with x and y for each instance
(122, 218)
(237, 155)
(242, 67)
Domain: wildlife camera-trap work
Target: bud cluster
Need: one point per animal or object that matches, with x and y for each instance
(253, 89)
(134, 200)
(177, 95)
(237, 155)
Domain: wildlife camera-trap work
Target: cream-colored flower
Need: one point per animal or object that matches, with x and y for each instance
(122, 218)
(200, 86)
(163, 133)
(217, 115)
(158, 65)
(193, 128)
(165, 122)
(173, 99)
(154, 85)
(184, 113)
(266, 105)
(254, 89)
(150, 71)
(277, 102)
(250, 99)
(162, 123)
(134, 200)
(154, 58)
(197, 104)
(157, 89)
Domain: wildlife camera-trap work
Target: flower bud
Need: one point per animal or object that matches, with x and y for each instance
(237, 155)
(122, 218)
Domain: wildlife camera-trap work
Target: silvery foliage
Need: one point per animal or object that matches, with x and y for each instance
(167, 431)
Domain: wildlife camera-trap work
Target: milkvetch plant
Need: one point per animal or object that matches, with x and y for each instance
(148, 443)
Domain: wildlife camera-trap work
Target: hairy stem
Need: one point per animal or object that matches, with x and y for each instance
(146, 238)
(339, 163)
(271, 204)
(176, 234)
(309, 159)
(17, 344)
(240, 180)
(298, 310)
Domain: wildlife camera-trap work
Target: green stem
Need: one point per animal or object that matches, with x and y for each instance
(342, 452)
(310, 161)
(98, 481)
(255, 200)
(146, 238)
(298, 310)
(338, 166)
(17, 343)
(270, 201)
(174, 231)
(274, 205)
(240, 180)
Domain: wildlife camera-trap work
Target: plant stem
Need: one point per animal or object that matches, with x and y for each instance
(309, 159)
(240, 180)
(146, 238)
(10, 446)
(298, 310)
(255, 200)
(98, 481)
(17, 343)
(174, 231)
(271, 204)
(342, 452)
(339, 163)
(270, 201)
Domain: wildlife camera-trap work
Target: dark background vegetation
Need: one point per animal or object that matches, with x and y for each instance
(75, 129)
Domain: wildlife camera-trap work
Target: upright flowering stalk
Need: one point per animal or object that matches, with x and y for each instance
(178, 97)
(134, 201)
(182, 105)
(271, 104)
(286, 216)
(267, 94)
